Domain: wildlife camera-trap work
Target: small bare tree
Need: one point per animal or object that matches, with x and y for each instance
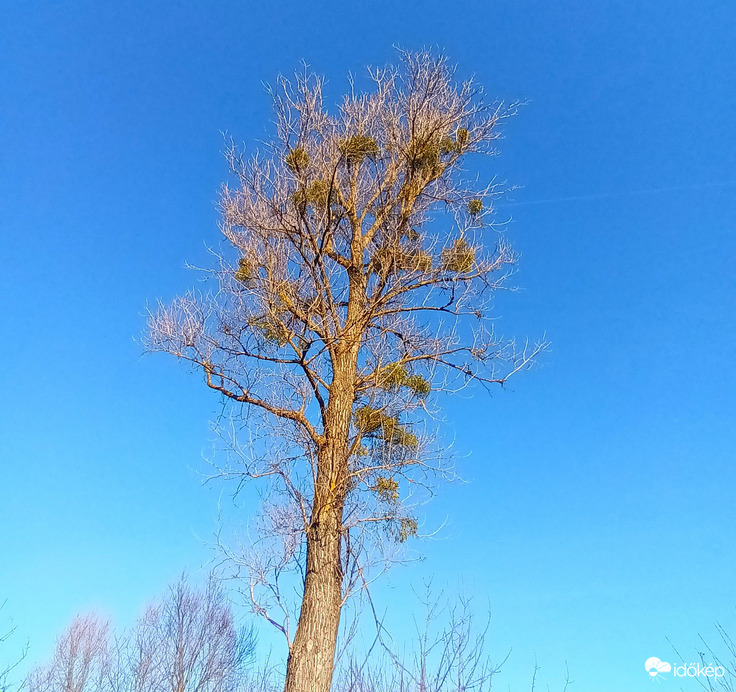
(7, 666)
(187, 643)
(720, 657)
(356, 283)
(81, 660)
(448, 654)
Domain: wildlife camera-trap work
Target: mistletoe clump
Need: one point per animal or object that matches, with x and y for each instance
(475, 206)
(271, 329)
(404, 528)
(316, 194)
(369, 420)
(396, 375)
(448, 145)
(459, 258)
(424, 157)
(388, 260)
(245, 270)
(358, 147)
(387, 489)
(297, 159)
(373, 422)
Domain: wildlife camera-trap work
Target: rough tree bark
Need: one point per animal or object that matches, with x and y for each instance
(311, 658)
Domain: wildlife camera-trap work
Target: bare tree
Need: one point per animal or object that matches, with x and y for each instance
(720, 657)
(187, 643)
(6, 667)
(81, 660)
(448, 654)
(355, 282)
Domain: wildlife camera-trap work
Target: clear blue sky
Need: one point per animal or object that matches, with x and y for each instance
(600, 514)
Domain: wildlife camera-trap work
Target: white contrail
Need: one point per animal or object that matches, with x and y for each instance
(623, 193)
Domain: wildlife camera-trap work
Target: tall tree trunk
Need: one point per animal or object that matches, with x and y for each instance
(312, 655)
